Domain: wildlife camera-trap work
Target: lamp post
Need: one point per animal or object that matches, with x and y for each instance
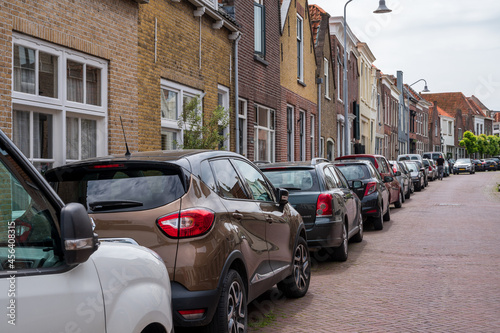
(382, 8)
(425, 90)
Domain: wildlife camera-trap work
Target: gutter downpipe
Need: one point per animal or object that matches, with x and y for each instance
(319, 80)
(236, 93)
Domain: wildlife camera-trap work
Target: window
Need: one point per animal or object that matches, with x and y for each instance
(339, 65)
(228, 182)
(326, 70)
(313, 124)
(259, 29)
(259, 188)
(322, 146)
(242, 126)
(174, 97)
(223, 101)
(290, 133)
(300, 49)
(264, 134)
(71, 89)
(330, 149)
(302, 135)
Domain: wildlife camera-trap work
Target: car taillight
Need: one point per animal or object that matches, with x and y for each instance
(324, 205)
(192, 314)
(430, 167)
(370, 188)
(187, 223)
(394, 169)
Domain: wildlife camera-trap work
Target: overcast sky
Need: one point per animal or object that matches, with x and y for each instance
(453, 44)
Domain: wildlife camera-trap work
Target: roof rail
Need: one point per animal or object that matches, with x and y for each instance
(318, 160)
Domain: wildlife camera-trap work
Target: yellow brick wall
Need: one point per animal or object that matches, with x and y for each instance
(178, 60)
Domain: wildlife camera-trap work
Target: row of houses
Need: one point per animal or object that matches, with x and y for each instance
(81, 77)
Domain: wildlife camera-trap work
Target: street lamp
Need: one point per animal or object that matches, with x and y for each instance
(425, 87)
(382, 8)
(425, 90)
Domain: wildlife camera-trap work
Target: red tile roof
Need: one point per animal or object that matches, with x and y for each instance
(315, 12)
(443, 112)
(451, 102)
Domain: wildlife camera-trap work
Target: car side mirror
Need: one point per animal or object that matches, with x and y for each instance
(398, 173)
(77, 230)
(388, 179)
(282, 196)
(357, 184)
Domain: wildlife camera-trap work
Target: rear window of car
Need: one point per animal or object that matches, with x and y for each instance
(122, 188)
(355, 171)
(435, 156)
(293, 179)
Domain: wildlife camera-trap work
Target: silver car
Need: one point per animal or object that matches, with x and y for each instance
(464, 165)
(402, 178)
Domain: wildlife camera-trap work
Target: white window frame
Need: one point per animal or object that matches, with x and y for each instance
(326, 70)
(60, 107)
(260, 30)
(269, 130)
(243, 115)
(300, 48)
(182, 91)
(339, 64)
(224, 93)
(290, 141)
(312, 137)
(302, 139)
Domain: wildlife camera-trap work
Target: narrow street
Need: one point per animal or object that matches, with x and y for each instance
(435, 267)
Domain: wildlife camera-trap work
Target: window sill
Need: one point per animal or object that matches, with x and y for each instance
(259, 59)
(301, 83)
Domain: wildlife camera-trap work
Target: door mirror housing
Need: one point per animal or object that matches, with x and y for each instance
(388, 179)
(398, 173)
(77, 234)
(282, 196)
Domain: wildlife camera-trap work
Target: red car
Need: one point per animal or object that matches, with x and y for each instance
(385, 170)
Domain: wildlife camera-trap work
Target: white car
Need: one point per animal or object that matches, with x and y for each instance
(56, 277)
(464, 165)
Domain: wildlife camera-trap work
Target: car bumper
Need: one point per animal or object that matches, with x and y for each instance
(459, 170)
(369, 205)
(183, 299)
(324, 233)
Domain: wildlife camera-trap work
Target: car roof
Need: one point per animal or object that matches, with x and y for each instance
(297, 164)
(353, 161)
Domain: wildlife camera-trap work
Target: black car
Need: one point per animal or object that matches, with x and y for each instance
(373, 193)
(321, 194)
(478, 165)
(416, 174)
(490, 165)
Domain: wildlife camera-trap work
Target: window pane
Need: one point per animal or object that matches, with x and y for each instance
(169, 104)
(42, 135)
(72, 134)
(258, 22)
(228, 180)
(24, 69)
(89, 138)
(47, 75)
(93, 78)
(74, 75)
(21, 131)
(263, 121)
(263, 143)
(168, 140)
(255, 181)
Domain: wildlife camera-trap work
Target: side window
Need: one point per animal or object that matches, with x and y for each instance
(255, 181)
(27, 224)
(382, 166)
(228, 183)
(207, 176)
(330, 180)
(375, 173)
(342, 181)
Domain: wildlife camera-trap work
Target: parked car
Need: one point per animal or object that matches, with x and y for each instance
(433, 155)
(225, 233)
(385, 170)
(478, 165)
(489, 165)
(54, 274)
(451, 161)
(496, 160)
(446, 168)
(463, 165)
(416, 158)
(402, 178)
(417, 174)
(405, 170)
(321, 194)
(373, 194)
(432, 173)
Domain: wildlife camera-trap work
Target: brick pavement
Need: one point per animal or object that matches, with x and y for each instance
(433, 268)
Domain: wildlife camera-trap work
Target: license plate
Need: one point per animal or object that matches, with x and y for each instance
(461, 169)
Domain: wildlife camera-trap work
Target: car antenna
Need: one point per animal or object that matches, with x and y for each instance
(127, 153)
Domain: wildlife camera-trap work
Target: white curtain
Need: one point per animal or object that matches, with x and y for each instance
(21, 131)
(89, 138)
(74, 75)
(72, 138)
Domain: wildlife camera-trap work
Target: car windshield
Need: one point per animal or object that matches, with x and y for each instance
(354, 171)
(412, 167)
(118, 188)
(293, 179)
(463, 160)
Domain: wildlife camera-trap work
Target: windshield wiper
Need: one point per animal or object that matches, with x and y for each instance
(117, 204)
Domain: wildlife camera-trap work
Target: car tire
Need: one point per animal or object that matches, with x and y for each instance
(231, 313)
(297, 284)
(387, 215)
(399, 203)
(340, 253)
(403, 197)
(358, 238)
(378, 221)
(408, 194)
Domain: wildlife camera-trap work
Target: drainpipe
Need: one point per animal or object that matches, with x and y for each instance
(236, 37)
(319, 81)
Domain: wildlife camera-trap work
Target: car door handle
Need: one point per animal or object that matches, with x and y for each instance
(238, 216)
(269, 219)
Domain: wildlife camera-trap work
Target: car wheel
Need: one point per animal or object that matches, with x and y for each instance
(231, 314)
(358, 238)
(398, 203)
(297, 284)
(378, 221)
(340, 253)
(408, 194)
(387, 215)
(403, 199)
(418, 187)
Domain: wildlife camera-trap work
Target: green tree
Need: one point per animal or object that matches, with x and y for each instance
(482, 144)
(202, 132)
(494, 145)
(469, 141)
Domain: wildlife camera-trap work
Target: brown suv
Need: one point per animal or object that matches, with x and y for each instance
(225, 233)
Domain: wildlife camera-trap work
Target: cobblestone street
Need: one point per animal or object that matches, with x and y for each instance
(434, 267)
